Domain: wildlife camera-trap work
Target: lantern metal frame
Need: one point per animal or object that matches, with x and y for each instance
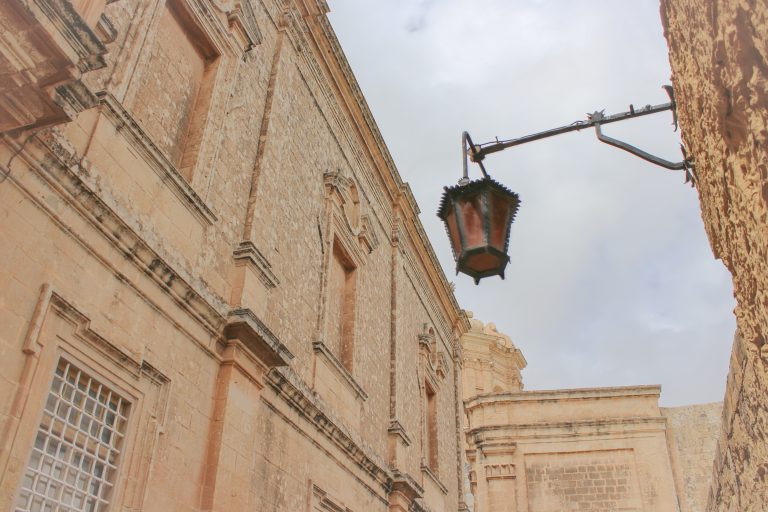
(486, 188)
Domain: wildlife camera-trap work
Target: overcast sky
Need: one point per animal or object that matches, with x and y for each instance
(611, 280)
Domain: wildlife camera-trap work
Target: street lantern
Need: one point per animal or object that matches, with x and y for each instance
(477, 217)
(478, 214)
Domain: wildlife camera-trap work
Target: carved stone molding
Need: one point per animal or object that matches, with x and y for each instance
(243, 325)
(289, 386)
(396, 428)
(323, 351)
(46, 47)
(499, 471)
(248, 252)
(433, 361)
(62, 173)
(129, 128)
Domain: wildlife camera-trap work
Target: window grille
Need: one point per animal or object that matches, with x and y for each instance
(74, 459)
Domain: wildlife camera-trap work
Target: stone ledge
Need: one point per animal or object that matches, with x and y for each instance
(73, 29)
(125, 124)
(562, 394)
(428, 471)
(248, 252)
(245, 326)
(406, 484)
(320, 348)
(638, 425)
(396, 428)
(295, 391)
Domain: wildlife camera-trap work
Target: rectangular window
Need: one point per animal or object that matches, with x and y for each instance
(431, 411)
(74, 459)
(341, 307)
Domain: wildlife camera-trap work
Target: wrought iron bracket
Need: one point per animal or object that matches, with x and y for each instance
(478, 152)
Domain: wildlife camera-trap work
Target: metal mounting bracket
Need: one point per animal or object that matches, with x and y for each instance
(477, 153)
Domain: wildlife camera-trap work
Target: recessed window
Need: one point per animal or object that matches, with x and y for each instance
(74, 459)
(174, 95)
(431, 434)
(341, 306)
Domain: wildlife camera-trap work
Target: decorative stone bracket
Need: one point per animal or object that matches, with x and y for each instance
(48, 45)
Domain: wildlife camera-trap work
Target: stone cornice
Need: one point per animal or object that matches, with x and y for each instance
(426, 470)
(60, 170)
(396, 428)
(406, 484)
(245, 326)
(248, 252)
(71, 27)
(170, 176)
(496, 434)
(496, 399)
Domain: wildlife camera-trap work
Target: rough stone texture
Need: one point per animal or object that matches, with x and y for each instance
(200, 283)
(719, 56)
(692, 433)
(593, 450)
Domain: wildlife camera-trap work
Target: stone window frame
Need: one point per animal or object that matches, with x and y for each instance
(349, 230)
(229, 41)
(59, 330)
(432, 373)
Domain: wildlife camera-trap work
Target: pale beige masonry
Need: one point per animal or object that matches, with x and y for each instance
(199, 215)
(718, 51)
(591, 450)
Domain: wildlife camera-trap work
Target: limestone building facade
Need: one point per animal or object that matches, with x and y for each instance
(586, 450)
(718, 52)
(215, 292)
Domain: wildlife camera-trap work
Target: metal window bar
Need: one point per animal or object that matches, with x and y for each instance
(74, 458)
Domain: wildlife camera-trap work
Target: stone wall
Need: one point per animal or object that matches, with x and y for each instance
(718, 53)
(239, 260)
(692, 433)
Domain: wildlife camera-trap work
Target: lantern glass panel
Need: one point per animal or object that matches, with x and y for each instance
(453, 232)
(499, 210)
(472, 219)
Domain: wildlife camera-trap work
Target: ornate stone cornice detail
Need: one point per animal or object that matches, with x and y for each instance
(396, 428)
(248, 252)
(433, 359)
(73, 29)
(243, 21)
(367, 235)
(499, 471)
(407, 485)
(74, 97)
(290, 387)
(244, 325)
(497, 435)
(61, 170)
(344, 201)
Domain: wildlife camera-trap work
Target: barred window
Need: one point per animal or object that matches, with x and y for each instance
(75, 455)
